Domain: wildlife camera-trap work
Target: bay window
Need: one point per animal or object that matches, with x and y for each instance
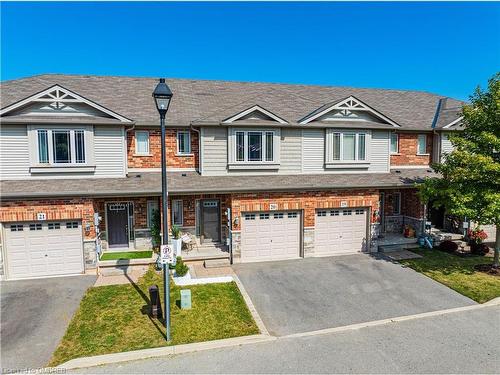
(61, 146)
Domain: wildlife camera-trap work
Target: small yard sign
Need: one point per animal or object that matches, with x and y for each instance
(41, 216)
(167, 255)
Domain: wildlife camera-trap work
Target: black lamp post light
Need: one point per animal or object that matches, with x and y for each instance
(162, 96)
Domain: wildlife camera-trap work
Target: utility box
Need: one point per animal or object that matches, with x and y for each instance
(154, 298)
(185, 299)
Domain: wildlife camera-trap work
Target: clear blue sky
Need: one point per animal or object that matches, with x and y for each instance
(446, 48)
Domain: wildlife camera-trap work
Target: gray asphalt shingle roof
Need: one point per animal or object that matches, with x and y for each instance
(216, 100)
(149, 183)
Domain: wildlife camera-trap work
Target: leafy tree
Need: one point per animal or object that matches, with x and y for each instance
(155, 228)
(469, 184)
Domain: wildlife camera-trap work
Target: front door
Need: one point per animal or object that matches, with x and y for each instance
(117, 216)
(210, 220)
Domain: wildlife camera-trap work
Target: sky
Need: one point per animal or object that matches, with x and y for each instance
(444, 48)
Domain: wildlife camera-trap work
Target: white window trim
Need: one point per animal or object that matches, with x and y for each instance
(51, 167)
(182, 212)
(399, 204)
(179, 153)
(331, 163)
(257, 164)
(137, 153)
(425, 153)
(397, 144)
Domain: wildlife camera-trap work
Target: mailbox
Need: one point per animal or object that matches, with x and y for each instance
(154, 298)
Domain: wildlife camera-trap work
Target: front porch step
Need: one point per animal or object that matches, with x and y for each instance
(397, 247)
(216, 263)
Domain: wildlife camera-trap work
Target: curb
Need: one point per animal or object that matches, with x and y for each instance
(107, 359)
(258, 320)
(493, 302)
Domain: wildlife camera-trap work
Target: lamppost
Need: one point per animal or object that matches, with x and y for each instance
(162, 96)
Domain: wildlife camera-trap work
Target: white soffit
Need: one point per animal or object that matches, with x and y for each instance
(453, 122)
(257, 108)
(349, 104)
(57, 96)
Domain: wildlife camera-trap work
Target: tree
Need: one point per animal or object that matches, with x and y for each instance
(469, 182)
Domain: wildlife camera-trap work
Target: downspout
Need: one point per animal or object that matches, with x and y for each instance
(199, 147)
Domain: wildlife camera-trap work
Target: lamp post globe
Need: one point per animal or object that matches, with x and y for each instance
(162, 96)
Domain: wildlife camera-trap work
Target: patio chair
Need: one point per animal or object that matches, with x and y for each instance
(189, 241)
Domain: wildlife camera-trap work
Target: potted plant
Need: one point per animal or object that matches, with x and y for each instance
(176, 240)
(476, 237)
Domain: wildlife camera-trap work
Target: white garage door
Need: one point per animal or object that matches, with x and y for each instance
(340, 231)
(270, 236)
(43, 249)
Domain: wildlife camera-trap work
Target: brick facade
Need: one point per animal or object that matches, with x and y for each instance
(408, 150)
(307, 201)
(55, 209)
(154, 160)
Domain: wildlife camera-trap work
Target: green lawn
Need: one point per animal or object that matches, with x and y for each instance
(115, 319)
(457, 273)
(126, 255)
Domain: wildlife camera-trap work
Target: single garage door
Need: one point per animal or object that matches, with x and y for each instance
(340, 231)
(43, 249)
(270, 236)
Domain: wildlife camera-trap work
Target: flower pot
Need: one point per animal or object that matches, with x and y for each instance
(177, 246)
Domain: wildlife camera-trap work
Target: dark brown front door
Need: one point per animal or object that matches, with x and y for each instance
(210, 219)
(117, 216)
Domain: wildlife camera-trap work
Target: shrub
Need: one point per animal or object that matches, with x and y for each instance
(155, 228)
(448, 246)
(181, 268)
(176, 232)
(479, 249)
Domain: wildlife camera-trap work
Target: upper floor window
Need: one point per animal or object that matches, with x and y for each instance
(61, 146)
(254, 146)
(142, 142)
(394, 143)
(349, 147)
(183, 142)
(422, 144)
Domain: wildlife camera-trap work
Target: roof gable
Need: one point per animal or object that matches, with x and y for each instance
(348, 109)
(57, 100)
(255, 113)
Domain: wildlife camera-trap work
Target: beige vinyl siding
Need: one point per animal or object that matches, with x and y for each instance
(214, 148)
(109, 151)
(291, 151)
(379, 150)
(14, 152)
(446, 146)
(313, 148)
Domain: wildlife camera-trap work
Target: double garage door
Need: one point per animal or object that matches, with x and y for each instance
(277, 235)
(41, 249)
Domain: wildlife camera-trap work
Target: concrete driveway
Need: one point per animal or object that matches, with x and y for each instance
(316, 293)
(35, 315)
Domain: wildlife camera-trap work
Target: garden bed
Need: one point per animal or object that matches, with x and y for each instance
(115, 318)
(458, 273)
